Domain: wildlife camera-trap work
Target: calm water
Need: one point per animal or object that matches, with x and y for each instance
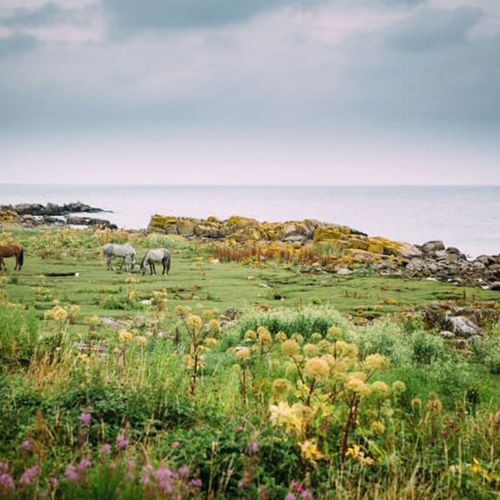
(466, 217)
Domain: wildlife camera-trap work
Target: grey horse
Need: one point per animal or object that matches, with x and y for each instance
(125, 252)
(152, 257)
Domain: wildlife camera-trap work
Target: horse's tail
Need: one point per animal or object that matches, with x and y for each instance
(21, 258)
(168, 262)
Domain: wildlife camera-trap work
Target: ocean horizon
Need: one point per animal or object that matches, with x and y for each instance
(466, 217)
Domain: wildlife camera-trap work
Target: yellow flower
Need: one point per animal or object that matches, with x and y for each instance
(264, 336)
(280, 337)
(210, 342)
(310, 350)
(250, 335)
(298, 337)
(398, 387)
(214, 326)
(375, 362)
(316, 337)
(434, 406)
(94, 320)
(289, 417)
(74, 310)
(380, 389)
(290, 348)
(343, 349)
(140, 340)
(309, 451)
(324, 346)
(317, 367)
(188, 361)
(357, 386)
(377, 427)
(181, 310)
(355, 452)
(207, 315)
(193, 322)
(334, 333)
(243, 354)
(280, 386)
(124, 336)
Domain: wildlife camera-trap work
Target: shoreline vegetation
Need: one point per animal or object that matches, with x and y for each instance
(275, 361)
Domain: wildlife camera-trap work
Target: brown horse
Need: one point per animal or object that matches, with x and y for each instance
(10, 251)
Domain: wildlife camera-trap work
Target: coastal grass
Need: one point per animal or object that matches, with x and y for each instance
(226, 380)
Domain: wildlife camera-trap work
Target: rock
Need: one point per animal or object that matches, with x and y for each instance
(463, 327)
(185, 227)
(446, 334)
(495, 285)
(432, 246)
(343, 271)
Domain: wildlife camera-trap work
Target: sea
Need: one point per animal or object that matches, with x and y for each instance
(466, 217)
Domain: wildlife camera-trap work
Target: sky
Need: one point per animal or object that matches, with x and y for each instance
(250, 91)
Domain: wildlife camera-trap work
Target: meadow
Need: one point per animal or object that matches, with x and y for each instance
(235, 376)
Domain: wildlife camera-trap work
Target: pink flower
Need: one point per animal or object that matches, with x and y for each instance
(105, 449)
(175, 444)
(4, 467)
(290, 496)
(196, 483)
(71, 473)
(184, 470)
(121, 442)
(307, 494)
(296, 486)
(27, 446)
(6, 482)
(229, 471)
(239, 428)
(53, 481)
(146, 474)
(253, 447)
(85, 463)
(85, 418)
(29, 475)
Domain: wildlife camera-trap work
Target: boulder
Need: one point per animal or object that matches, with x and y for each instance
(463, 326)
(432, 246)
(185, 226)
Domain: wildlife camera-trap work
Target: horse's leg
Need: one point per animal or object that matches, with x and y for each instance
(151, 268)
(17, 262)
(164, 262)
(109, 266)
(2, 264)
(154, 268)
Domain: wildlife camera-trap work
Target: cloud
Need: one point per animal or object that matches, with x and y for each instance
(428, 29)
(135, 16)
(46, 14)
(16, 44)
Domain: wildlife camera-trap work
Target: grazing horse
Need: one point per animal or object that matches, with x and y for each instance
(123, 251)
(152, 257)
(9, 251)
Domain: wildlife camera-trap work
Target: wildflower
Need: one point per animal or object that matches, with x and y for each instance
(298, 337)
(290, 348)
(290, 496)
(182, 310)
(4, 467)
(53, 481)
(264, 336)
(140, 340)
(398, 387)
(307, 494)
(85, 418)
(243, 353)
(207, 314)
(334, 333)
(416, 403)
(434, 406)
(184, 470)
(210, 342)
(380, 389)
(229, 471)
(6, 482)
(105, 449)
(324, 346)
(214, 326)
(250, 335)
(253, 448)
(193, 322)
(124, 337)
(121, 442)
(345, 350)
(84, 463)
(175, 444)
(146, 474)
(296, 486)
(196, 483)
(375, 362)
(27, 446)
(280, 386)
(357, 386)
(309, 451)
(239, 428)
(94, 320)
(317, 367)
(280, 337)
(355, 452)
(310, 350)
(377, 427)
(28, 475)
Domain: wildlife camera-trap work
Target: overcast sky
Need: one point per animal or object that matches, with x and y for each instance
(250, 91)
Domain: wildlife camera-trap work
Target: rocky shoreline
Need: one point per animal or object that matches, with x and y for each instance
(356, 249)
(36, 214)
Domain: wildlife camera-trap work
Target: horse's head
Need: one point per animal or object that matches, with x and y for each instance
(143, 265)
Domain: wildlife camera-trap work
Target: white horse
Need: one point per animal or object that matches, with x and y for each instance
(152, 257)
(124, 251)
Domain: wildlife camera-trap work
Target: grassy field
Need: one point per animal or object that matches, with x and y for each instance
(117, 385)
